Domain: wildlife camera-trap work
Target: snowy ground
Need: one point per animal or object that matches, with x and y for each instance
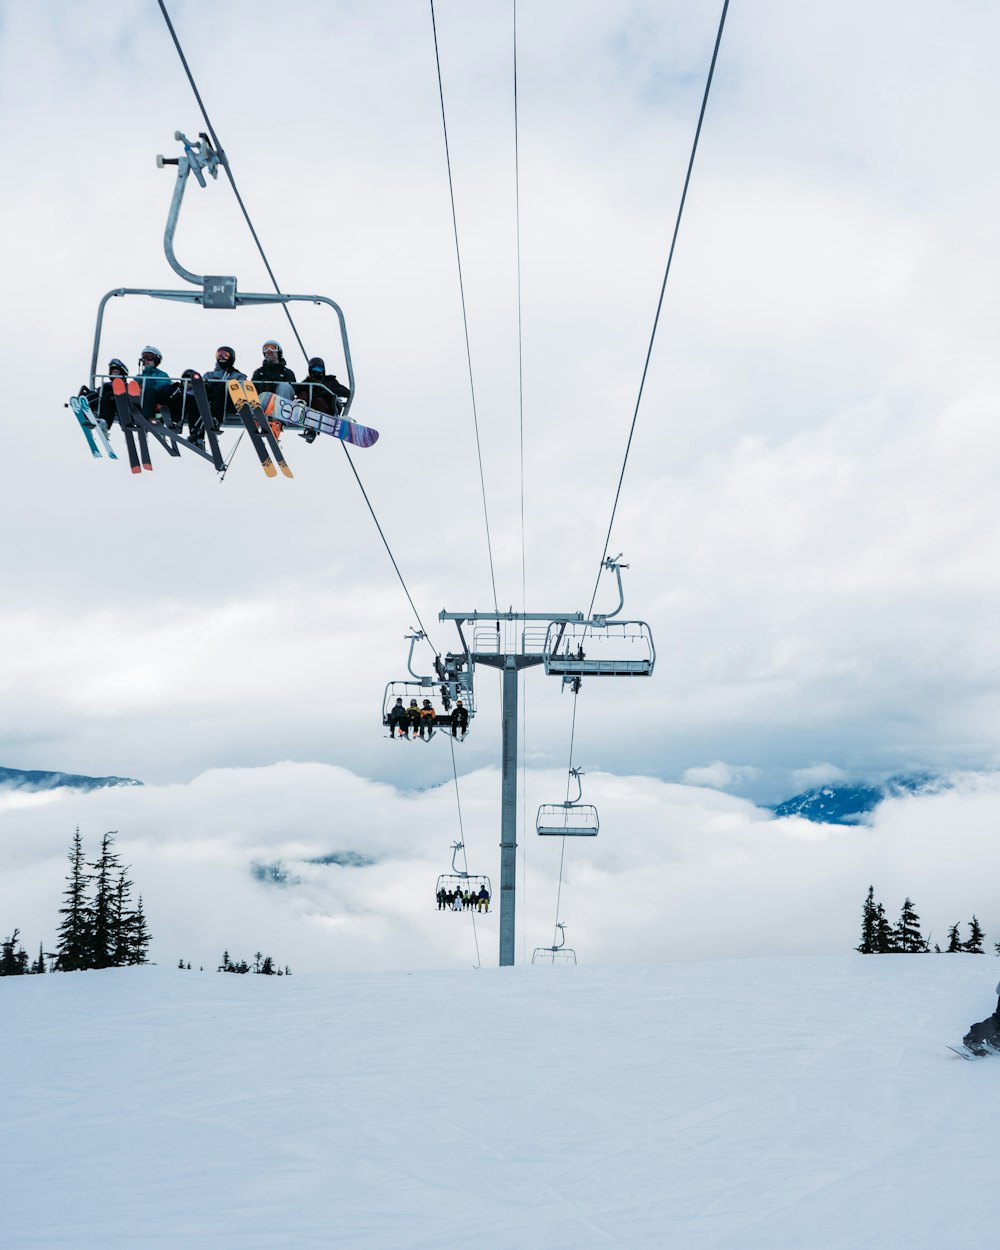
(799, 1103)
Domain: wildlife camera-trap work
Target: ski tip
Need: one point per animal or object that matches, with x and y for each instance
(149, 467)
(137, 468)
(268, 467)
(286, 469)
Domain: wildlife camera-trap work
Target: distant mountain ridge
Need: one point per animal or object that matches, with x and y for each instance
(33, 779)
(850, 802)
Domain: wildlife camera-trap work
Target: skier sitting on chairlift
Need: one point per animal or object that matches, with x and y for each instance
(273, 374)
(183, 407)
(219, 399)
(397, 720)
(459, 719)
(102, 402)
(413, 717)
(427, 715)
(155, 382)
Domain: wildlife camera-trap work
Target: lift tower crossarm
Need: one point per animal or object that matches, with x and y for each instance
(575, 617)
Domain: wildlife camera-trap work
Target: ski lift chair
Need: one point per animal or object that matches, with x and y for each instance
(559, 953)
(571, 819)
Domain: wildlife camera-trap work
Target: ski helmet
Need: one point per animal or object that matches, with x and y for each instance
(117, 366)
(151, 351)
(272, 343)
(317, 365)
(229, 354)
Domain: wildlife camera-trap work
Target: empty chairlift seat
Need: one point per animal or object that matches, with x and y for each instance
(585, 649)
(567, 820)
(558, 953)
(571, 819)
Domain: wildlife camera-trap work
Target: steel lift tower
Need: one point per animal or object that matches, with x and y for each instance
(568, 645)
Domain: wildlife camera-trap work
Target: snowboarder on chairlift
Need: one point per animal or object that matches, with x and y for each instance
(321, 390)
(397, 720)
(984, 1038)
(459, 719)
(274, 374)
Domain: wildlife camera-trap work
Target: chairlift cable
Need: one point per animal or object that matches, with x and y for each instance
(465, 317)
(224, 161)
(461, 834)
(663, 288)
(385, 543)
(520, 341)
(524, 580)
(562, 854)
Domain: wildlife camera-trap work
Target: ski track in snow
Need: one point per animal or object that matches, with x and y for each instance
(781, 1104)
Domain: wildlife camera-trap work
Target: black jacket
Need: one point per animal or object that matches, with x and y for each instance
(102, 402)
(277, 372)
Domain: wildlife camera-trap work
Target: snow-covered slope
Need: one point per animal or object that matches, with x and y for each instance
(778, 1104)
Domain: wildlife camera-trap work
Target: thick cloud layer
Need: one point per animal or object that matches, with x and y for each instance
(325, 870)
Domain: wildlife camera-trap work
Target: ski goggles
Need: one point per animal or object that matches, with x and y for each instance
(271, 347)
(148, 358)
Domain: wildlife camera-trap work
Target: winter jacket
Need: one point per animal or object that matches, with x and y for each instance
(156, 386)
(102, 402)
(270, 372)
(219, 399)
(311, 389)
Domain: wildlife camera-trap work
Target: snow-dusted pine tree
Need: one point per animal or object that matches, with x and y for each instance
(75, 933)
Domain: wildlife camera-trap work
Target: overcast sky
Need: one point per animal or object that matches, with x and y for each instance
(809, 508)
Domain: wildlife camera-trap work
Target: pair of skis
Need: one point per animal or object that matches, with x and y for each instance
(265, 443)
(91, 425)
(137, 427)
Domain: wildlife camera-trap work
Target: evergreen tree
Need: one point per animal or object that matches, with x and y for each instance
(75, 933)
(13, 959)
(909, 939)
(103, 937)
(39, 965)
(974, 946)
(139, 936)
(867, 945)
(954, 941)
(124, 921)
(267, 967)
(885, 937)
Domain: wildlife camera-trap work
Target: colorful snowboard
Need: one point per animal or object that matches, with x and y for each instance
(294, 413)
